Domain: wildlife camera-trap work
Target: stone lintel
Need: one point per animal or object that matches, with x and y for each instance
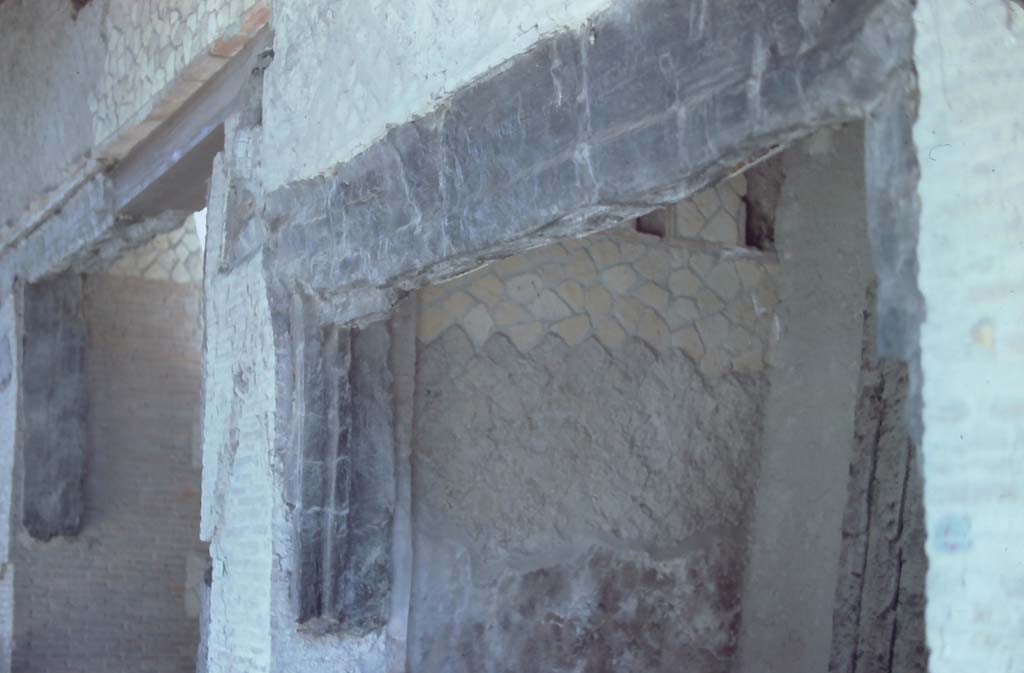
(650, 101)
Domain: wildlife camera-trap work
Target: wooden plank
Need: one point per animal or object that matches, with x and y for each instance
(146, 181)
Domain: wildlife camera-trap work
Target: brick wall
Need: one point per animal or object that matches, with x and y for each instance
(238, 428)
(112, 599)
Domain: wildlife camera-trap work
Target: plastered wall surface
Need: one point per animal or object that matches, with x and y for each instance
(112, 599)
(147, 43)
(564, 397)
(79, 77)
(391, 60)
(51, 63)
(969, 142)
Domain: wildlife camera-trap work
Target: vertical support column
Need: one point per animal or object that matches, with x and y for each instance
(809, 415)
(346, 473)
(55, 407)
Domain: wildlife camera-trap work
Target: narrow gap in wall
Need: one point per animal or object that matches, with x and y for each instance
(764, 189)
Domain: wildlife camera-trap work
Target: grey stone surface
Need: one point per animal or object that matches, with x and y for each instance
(577, 509)
(55, 406)
(347, 479)
(649, 102)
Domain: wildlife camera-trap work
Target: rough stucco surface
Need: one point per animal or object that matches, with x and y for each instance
(878, 622)
(549, 511)
(391, 60)
(112, 598)
(50, 64)
(969, 141)
(556, 420)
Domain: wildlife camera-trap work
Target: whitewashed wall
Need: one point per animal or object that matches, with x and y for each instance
(970, 140)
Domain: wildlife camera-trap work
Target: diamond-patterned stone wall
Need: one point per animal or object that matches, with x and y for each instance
(175, 256)
(713, 301)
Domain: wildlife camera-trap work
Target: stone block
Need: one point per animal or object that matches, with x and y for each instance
(487, 141)
(525, 337)
(684, 282)
(610, 333)
(619, 279)
(653, 296)
(54, 408)
(488, 289)
(573, 330)
(573, 294)
(598, 302)
(346, 479)
(478, 324)
(548, 307)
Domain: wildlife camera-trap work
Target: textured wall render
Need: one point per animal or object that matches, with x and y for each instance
(969, 141)
(112, 598)
(51, 62)
(80, 77)
(587, 426)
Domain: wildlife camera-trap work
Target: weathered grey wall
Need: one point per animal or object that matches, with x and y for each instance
(54, 407)
(878, 621)
(587, 433)
(112, 598)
